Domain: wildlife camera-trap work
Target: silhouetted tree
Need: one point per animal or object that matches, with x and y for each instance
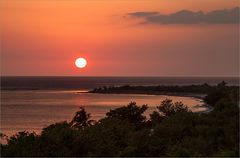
(221, 91)
(81, 119)
(155, 117)
(22, 144)
(132, 112)
(174, 132)
(168, 108)
(222, 84)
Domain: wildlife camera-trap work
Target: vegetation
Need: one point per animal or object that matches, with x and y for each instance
(171, 90)
(172, 130)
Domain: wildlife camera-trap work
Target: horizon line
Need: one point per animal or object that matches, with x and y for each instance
(119, 76)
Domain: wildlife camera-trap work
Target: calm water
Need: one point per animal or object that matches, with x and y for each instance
(31, 103)
(44, 83)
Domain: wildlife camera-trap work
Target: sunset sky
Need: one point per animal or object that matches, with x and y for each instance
(119, 38)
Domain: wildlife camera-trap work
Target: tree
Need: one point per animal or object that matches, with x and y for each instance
(22, 144)
(173, 131)
(222, 84)
(168, 108)
(109, 137)
(81, 119)
(155, 118)
(57, 140)
(132, 112)
(221, 91)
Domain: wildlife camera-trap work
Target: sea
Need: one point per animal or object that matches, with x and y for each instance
(32, 103)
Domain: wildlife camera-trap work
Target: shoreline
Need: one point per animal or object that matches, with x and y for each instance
(200, 97)
(193, 95)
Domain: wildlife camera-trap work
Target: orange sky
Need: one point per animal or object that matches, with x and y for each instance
(44, 38)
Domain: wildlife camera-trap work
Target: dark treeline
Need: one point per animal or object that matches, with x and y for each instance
(163, 89)
(172, 130)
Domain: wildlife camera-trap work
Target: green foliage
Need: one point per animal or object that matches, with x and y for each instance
(171, 131)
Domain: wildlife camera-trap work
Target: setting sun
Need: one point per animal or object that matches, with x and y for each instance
(81, 62)
(113, 78)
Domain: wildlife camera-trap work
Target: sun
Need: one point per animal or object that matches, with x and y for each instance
(81, 62)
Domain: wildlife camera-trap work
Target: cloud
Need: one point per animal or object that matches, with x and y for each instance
(226, 16)
(143, 14)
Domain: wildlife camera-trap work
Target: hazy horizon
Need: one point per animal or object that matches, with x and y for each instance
(122, 76)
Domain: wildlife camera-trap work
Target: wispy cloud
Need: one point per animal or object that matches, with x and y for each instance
(225, 16)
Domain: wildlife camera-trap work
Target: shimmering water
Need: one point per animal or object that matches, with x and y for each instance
(33, 110)
(31, 103)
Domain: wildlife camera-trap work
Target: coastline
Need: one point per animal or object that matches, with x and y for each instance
(193, 95)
